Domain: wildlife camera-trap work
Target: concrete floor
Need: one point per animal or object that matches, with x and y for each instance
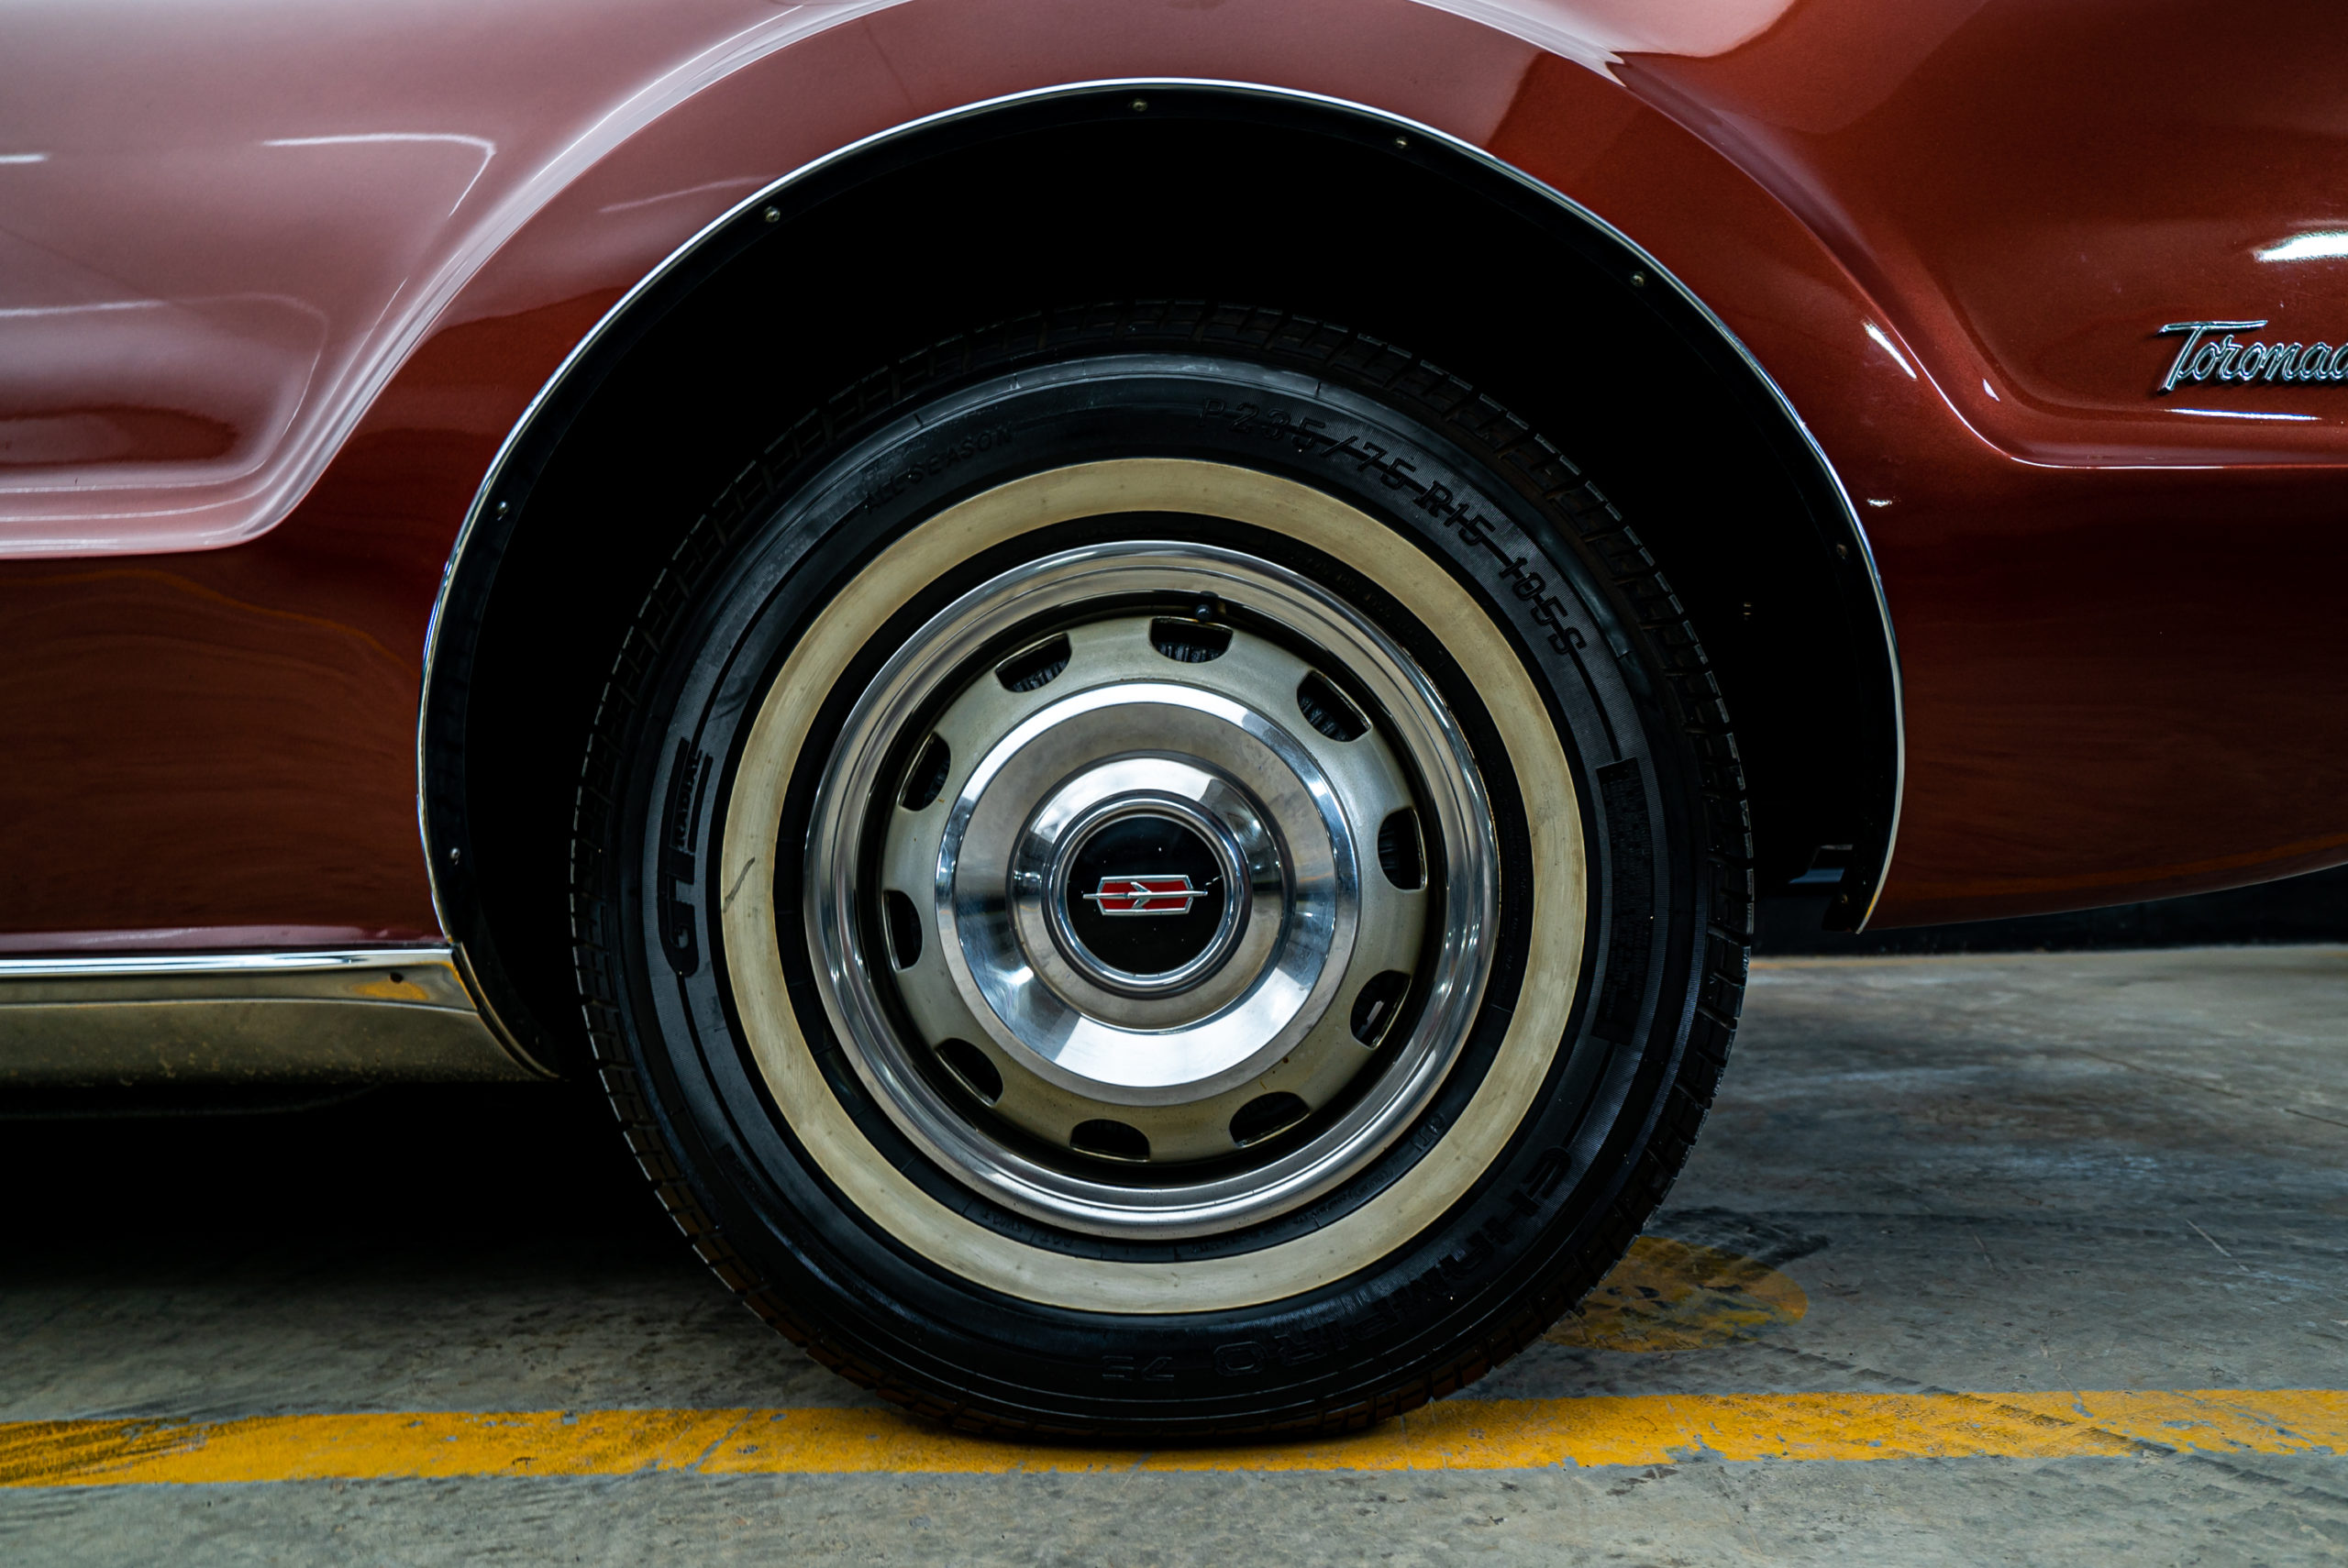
(2043, 1173)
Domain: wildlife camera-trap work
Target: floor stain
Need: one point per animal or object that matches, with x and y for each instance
(1675, 1296)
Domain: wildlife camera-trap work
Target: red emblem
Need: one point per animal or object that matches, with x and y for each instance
(1146, 895)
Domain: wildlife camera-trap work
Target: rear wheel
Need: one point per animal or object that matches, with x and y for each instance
(1167, 871)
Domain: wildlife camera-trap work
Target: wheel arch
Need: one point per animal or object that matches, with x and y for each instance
(564, 533)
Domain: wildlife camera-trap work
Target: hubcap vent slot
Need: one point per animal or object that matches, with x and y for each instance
(1106, 1140)
(1327, 710)
(1032, 670)
(1189, 642)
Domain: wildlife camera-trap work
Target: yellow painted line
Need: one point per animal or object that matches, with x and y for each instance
(1460, 1434)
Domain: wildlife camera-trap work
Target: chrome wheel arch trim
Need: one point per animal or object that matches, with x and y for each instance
(488, 504)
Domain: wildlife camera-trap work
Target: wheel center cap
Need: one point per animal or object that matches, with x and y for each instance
(1148, 895)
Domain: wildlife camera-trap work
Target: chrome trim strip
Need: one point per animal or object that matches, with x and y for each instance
(354, 1014)
(678, 256)
(144, 963)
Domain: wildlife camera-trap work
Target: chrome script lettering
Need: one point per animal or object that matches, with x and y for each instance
(2205, 358)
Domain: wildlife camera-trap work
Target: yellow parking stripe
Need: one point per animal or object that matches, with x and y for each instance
(1461, 1434)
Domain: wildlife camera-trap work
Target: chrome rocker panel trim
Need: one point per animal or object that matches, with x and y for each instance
(351, 1015)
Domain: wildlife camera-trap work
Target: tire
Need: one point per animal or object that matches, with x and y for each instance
(1153, 610)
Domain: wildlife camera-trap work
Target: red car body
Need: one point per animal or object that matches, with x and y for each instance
(276, 290)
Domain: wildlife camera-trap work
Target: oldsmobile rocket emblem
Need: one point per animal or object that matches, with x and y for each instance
(1144, 896)
(2211, 353)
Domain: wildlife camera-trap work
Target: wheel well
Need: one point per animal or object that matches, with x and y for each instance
(1202, 192)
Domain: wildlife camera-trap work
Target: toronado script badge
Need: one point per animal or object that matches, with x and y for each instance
(2221, 358)
(1146, 895)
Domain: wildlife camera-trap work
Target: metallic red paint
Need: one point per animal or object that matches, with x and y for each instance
(2116, 610)
(1948, 231)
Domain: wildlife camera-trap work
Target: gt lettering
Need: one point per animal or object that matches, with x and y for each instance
(1122, 1369)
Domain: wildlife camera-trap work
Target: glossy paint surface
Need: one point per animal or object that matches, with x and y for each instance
(1949, 232)
(197, 301)
(2116, 609)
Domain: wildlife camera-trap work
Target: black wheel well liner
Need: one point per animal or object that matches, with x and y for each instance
(1061, 199)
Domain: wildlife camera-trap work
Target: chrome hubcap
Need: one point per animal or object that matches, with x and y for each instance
(1147, 888)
